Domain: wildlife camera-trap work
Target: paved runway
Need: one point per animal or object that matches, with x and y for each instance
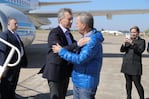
(112, 83)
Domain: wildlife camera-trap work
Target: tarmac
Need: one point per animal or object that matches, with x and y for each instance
(112, 82)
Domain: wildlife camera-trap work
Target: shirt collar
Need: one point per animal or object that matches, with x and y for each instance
(137, 38)
(11, 31)
(88, 34)
(63, 29)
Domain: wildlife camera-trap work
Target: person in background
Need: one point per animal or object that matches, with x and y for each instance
(88, 59)
(133, 48)
(11, 74)
(148, 47)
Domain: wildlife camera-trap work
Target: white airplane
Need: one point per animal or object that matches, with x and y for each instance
(23, 11)
(116, 33)
(29, 16)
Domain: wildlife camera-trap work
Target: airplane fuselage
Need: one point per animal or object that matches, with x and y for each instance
(17, 9)
(23, 5)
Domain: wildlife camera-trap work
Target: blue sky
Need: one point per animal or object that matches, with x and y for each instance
(118, 22)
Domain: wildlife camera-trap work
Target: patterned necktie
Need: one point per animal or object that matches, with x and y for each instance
(68, 37)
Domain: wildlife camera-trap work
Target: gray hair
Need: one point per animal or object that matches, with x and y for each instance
(61, 12)
(86, 18)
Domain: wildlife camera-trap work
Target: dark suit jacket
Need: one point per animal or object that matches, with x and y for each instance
(148, 47)
(56, 68)
(132, 59)
(4, 51)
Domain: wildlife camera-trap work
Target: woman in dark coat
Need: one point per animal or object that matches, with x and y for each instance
(132, 61)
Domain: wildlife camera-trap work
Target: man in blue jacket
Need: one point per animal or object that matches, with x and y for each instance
(88, 61)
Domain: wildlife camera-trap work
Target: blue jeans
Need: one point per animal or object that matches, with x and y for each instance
(80, 93)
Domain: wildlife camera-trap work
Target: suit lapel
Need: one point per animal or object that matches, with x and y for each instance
(13, 40)
(62, 36)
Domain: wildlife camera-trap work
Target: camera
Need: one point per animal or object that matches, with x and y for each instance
(127, 35)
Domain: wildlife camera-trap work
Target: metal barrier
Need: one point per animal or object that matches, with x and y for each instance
(6, 63)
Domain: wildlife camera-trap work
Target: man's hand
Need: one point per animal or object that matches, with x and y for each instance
(130, 41)
(83, 41)
(56, 48)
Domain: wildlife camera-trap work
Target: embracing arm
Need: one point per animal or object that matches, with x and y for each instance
(86, 53)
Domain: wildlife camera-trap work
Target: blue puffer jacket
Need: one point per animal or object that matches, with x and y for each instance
(87, 64)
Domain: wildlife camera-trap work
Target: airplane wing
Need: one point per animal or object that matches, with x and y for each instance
(110, 13)
(61, 3)
(107, 13)
(39, 17)
(48, 14)
(37, 14)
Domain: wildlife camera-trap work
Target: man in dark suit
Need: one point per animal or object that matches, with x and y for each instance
(57, 70)
(10, 77)
(133, 47)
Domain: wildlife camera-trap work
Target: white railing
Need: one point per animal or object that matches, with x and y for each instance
(6, 63)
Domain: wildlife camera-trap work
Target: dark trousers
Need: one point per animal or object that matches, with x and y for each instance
(137, 81)
(9, 82)
(58, 90)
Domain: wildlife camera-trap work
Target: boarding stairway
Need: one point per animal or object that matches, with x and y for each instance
(6, 63)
